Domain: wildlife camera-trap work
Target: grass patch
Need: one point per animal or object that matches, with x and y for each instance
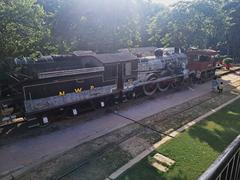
(195, 149)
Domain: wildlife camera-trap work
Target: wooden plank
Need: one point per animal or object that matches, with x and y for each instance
(11, 121)
(163, 159)
(160, 167)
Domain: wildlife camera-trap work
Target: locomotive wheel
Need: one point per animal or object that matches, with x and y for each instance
(177, 83)
(163, 86)
(150, 88)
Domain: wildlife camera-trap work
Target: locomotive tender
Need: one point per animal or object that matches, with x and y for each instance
(58, 81)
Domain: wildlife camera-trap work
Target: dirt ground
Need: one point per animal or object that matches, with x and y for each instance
(99, 158)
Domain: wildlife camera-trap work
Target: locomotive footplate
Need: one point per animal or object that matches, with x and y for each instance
(168, 78)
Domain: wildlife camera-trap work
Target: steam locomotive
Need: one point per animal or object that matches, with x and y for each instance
(54, 82)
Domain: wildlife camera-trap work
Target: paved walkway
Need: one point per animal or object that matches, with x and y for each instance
(30, 151)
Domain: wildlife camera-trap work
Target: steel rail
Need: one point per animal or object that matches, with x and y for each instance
(141, 124)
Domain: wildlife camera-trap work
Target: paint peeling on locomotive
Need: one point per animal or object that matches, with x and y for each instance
(77, 78)
(170, 63)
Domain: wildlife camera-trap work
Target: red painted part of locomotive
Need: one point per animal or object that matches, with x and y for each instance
(228, 66)
(204, 52)
(201, 66)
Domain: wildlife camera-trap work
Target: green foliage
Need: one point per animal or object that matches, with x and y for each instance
(22, 27)
(40, 27)
(101, 26)
(198, 23)
(232, 10)
(227, 60)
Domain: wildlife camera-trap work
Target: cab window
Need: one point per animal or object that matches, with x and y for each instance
(110, 72)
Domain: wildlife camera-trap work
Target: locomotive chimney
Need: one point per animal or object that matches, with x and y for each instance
(158, 53)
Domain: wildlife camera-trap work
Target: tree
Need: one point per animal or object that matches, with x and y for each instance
(31, 27)
(147, 10)
(198, 23)
(102, 26)
(23, 27)
(232, 10)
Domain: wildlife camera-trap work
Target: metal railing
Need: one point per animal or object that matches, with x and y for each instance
(227, 166)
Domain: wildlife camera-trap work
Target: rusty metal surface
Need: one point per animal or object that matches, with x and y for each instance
(36, 105)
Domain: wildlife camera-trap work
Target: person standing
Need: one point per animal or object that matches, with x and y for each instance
(215, 84)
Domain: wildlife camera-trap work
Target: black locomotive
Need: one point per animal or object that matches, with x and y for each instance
(58, 81)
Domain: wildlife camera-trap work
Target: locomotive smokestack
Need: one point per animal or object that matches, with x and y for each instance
(158, 53)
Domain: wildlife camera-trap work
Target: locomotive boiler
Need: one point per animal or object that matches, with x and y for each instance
(166, 63)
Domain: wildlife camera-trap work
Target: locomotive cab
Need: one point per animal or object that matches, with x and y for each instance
(202, 63)
(120, 68)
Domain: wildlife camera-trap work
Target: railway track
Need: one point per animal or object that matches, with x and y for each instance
(114, 146)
